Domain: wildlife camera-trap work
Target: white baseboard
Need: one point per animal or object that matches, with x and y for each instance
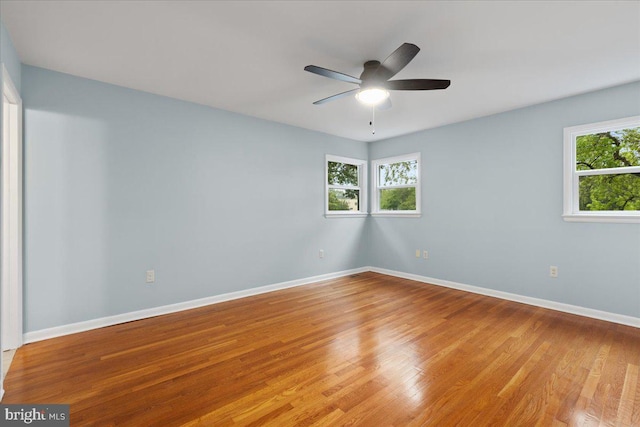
(73, 328)
(538, 302)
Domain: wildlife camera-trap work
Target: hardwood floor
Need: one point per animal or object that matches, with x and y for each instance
(366, 350)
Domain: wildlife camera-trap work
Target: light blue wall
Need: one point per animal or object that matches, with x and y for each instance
(119, 181)
(492, 205)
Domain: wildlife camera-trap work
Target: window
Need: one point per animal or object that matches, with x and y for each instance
(397, 186)
(345, 187)
(602, 171)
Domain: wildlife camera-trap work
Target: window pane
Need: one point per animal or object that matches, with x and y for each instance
(613, 149)
(398, 173)
(398, 199)
(342, 174)
(344, 200)
(610, 192)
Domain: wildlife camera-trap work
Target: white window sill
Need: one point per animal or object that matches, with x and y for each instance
(604, 217)
(397, 214)
(346, 215)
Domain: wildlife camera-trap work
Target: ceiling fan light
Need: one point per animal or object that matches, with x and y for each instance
(372, 96)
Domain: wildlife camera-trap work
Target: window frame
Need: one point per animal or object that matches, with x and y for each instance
(571, 189)
(375, 199)
(362, 187)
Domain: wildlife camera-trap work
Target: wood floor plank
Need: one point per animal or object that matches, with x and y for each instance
(525, 370)
(366, 350)
(625, 410)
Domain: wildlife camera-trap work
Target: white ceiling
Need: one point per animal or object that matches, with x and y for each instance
(248, 56)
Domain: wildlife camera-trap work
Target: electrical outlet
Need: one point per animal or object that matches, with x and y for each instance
(425, 254)
(151, 276)
(553, 271)
(417, 253)
(321, 253)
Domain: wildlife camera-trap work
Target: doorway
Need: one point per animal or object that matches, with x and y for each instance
(11, 215)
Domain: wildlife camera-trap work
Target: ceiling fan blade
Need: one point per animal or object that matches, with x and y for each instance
(385, 105)
(397, 61)
(332, 74)
(336, 96)
(417, 84)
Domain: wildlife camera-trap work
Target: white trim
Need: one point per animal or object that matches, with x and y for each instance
(538, 302)
(571, 207)
(608, 125)
(87, 325)
(389, 214)
(398, 159)
(73, 328)
(610, 171)
(11, 227)
(1, 394)
(375, 188)
(600, 217)
(341, 214)
(12, 91)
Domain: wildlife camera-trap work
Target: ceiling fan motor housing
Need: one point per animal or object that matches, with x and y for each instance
(368, 75)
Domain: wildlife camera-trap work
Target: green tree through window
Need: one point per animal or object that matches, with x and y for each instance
(394, 174)
(611, 150)
(398, 199)
(397, 184)
(345, 186)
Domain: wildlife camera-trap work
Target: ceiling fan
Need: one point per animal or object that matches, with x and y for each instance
(374, 81)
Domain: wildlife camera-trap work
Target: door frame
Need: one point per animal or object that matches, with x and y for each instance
(11, 276)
